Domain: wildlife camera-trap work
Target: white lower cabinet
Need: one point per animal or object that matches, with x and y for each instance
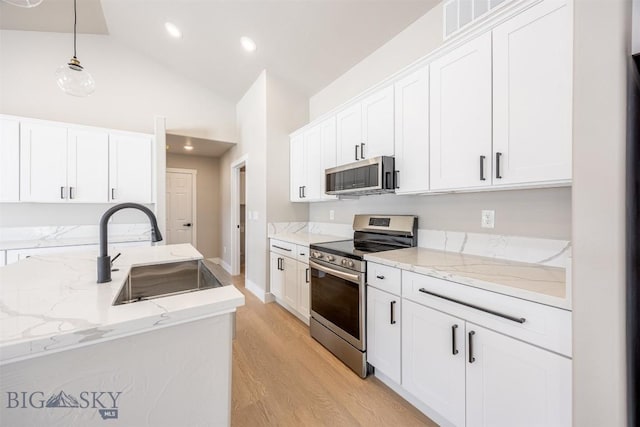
(472, 376)
(450, 360)
(384, 314)
(433, 360)
(290, 277)
(511, 383)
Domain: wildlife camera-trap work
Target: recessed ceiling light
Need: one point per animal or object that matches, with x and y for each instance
(173, 30)
(188, 147)
(248, 44)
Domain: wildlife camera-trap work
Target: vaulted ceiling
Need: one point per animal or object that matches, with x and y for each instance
(308, 43)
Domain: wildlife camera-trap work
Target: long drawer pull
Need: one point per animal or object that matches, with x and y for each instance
(486, 310)
(392, 319)
(280, 247)
(472, 358)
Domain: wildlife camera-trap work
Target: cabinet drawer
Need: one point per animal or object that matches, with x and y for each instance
(283, 248)
(544, 326)
(384, 277)
(302, 253)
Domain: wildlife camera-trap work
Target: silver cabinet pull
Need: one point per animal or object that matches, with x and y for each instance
(71, 196)
(357, 152)
(62, 193)
(498, 173)
(113, 193)
(280, 247)
(362, 150)
(482, 178)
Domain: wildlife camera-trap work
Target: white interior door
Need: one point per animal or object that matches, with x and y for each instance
(180, 215)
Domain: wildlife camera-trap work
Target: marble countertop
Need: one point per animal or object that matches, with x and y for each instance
(304, 238)
(52, 303)
(533, 282)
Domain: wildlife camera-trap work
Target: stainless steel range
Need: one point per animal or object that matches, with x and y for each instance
(338, 279)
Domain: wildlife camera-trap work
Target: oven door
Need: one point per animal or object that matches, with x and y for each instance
(338, 301)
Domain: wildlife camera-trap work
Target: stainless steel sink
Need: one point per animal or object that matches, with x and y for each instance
(160, 280)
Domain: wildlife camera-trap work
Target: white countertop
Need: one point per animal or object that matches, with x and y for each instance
(50, 303)
(533, 282)
(304, 238)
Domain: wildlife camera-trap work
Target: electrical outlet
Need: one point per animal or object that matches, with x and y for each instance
(332, 215)
(488, 219)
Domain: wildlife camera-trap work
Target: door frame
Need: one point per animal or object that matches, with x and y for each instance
(194, 200)
(235, 212)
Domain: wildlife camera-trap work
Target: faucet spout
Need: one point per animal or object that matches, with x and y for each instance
(104, 260)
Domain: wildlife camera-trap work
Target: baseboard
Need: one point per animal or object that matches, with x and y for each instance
(221, 263)
(425, 409)
(255, 289)
(270, 297)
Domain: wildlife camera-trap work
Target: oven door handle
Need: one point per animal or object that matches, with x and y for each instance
(355, 278)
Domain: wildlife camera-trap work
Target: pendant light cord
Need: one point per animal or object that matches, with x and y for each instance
(75, 23)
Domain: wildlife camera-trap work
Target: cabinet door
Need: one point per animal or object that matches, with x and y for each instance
(349, 134)
(412, 132)
(313, 172)
(129, 168)
(290, 281)
(9, 160)
(460, 117)
(276, 275)
(88, 166)
(304, 302)
(532, 95)
(377, 124)
(513, 383)
(329, 154)
(433, 360)
(297, 170)
(43, 162)
(383, 332)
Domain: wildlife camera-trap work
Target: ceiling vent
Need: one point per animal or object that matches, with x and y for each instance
(459, 14)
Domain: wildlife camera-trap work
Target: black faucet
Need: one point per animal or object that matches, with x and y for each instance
(104, 260)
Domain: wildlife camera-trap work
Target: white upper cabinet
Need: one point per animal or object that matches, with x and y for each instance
(349, 134)
(297, 167)
(532, 72)
(9, 164)
(87, 166)
(377, 124)
(365, 129)
(412, 132)
(311, 152)
(511, 383)
(460, 100)
(130, 158)
(43, 162)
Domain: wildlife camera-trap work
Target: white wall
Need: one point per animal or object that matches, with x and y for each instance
(543, 213)
(130, 91)
(252, 142)
(635, 48)
(601, 48)
(208, 208)
(287, 110)
(416, 41)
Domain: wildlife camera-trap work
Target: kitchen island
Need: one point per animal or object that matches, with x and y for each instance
(70, 357)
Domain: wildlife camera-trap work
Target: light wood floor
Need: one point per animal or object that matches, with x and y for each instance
(283, 377)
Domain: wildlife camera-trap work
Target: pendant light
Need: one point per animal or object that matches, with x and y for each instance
(24, 3)
(72, 77)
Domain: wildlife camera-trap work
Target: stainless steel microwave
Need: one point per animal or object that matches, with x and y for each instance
(370, 176)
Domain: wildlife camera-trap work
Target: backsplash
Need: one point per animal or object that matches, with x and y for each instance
(69, 235)
(554, 253)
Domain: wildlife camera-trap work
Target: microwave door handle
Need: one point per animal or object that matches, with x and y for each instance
(355, 278)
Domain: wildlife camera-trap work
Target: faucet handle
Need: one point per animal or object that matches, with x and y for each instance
(115, 258)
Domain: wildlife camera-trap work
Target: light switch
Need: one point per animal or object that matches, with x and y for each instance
(332, 214)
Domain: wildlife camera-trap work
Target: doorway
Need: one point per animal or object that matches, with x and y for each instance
(239, 198)
(181, 206)
(243, 214)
